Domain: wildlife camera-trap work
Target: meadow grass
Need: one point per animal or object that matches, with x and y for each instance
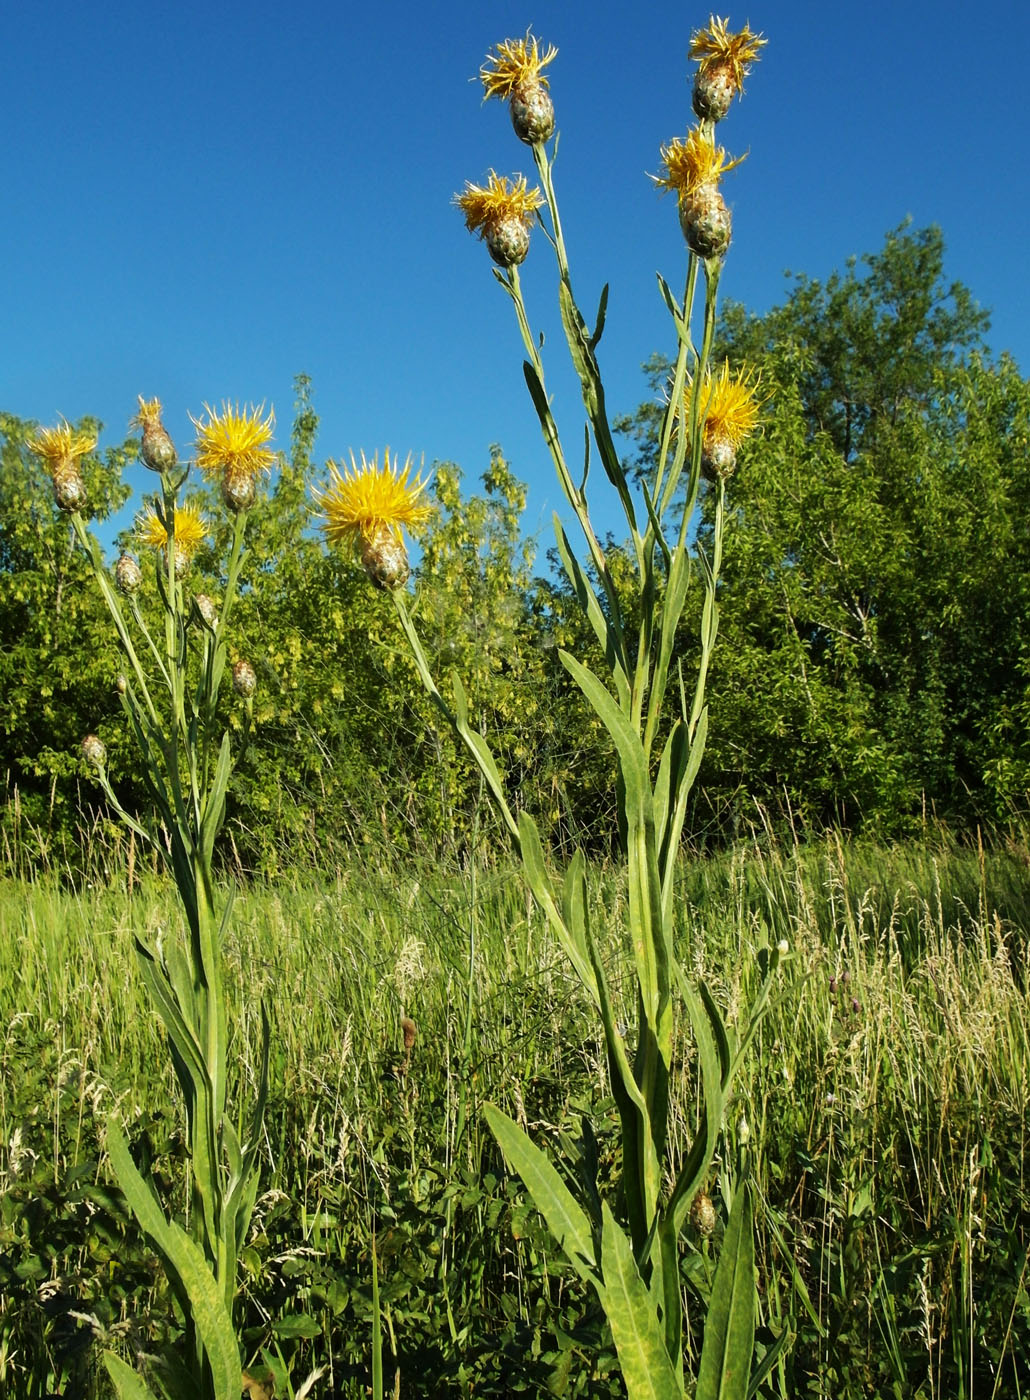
(886, 1098)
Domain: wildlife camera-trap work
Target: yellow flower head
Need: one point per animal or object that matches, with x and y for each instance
(232, 445)
(361, 504)
(715, 47)
(692, 163)
(149, 414)
(514, 64)
(731, 407)
(60, 448)
(497, 202)
(189, 530)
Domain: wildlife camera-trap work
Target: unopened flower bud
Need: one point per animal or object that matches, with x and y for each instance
(93, 750)
(386, 560)
(410, 1031)
(702, 1213)
(206, 607)
(783, 947)
(127, 574)
(121, 685)
(743, 1131)
(69, 490)
(244, 679)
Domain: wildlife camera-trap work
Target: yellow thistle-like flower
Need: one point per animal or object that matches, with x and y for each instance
(692, 164)
(729, 411)
(715, 47)
(732, 404)
(515, 63)
(232, 449)
(361, 502)
(188, 531)
(61, 448)
(364, 509)
(501, 211)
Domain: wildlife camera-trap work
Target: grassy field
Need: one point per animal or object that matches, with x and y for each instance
(886, 1096)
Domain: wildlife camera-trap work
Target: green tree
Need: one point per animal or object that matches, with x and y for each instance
(58, 661)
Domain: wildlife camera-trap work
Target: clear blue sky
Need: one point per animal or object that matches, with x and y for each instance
(201, 200)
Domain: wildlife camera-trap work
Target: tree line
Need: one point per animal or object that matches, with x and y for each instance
(872, 665)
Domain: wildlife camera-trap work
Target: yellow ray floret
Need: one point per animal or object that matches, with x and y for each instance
(513, 63)
(731, 406)
(715, 46)
(189, 530)
(149, 413)
(692, 163)
(360, 503)
(61, 447)
(497, 201)
(233, 444)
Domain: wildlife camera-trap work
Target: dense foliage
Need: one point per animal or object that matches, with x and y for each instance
(872, 662)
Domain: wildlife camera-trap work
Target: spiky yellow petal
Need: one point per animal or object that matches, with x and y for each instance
(514, 63)
(716, 46)
(233, 445)
(497, 201)
(149, 413)
(189, 530)
(60, 448)
(361, 503)
(693, 163)
(730, 405)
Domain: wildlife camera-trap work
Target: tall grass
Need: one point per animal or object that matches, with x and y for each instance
(887, 1094)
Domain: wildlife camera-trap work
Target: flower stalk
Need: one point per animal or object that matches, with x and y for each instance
(628, 1249)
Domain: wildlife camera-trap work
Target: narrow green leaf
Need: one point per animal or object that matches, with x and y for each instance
(186, 1267)
(127, 1384)
(532, 853)
(729, 1335)
(637, 1330)
(566, 1219)
(602, 311)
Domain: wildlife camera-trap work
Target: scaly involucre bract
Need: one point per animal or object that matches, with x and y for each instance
(362, 502)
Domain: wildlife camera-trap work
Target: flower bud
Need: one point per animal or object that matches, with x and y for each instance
(93, 750)
(385, 560)
(702, 1213)
(206, 607)
(783, 947)
(157, 451)
(244, 679)
(121, 685)
(127, 574)
(743, 1131)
